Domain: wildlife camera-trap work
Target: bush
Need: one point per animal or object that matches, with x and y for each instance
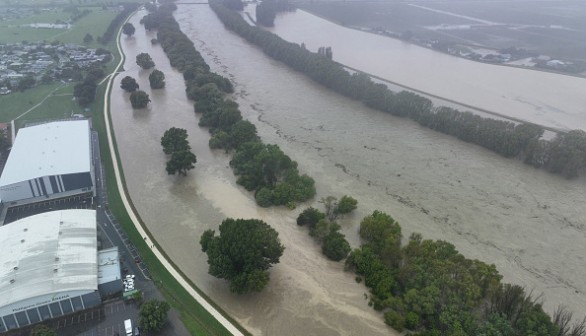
(335, 246)
(346, 205)
(139, 99)
(411, 321)
(395, 320)
(310, 216)
(264, 197)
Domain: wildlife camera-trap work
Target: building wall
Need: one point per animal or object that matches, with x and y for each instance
(16, 191)
(48, 186)
(46, 307)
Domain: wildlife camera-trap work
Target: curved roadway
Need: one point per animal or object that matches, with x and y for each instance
(133, 216)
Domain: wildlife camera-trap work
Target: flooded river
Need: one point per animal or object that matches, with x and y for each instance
(527, 222)
(543, 98)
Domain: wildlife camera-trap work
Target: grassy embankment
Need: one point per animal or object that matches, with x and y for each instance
(58, 105)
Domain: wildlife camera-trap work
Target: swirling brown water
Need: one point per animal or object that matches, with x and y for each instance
(529, 223)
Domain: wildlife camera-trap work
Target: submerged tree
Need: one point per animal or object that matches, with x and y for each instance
(181, 162)
(242, 253)
(157, 79)
(139, 99)
(129, 84)
(128, 29)
(144, 61)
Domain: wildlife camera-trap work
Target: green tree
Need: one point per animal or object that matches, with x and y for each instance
(264, 197)
(139, 99)
(242, 253)
(174, 139)
(128, 29)
(335, 246)
(26, 82)
(129, 84)
(383, 234)
(43, 330)
(153, 315)
(310, 216)
(157, 79)
(85, 92)
(346, 205)
(144, 61)
(88, 38)
(322, 229)
(181, 162)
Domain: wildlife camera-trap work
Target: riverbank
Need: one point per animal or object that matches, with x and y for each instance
(366, 30)
(306, 294)
(196, 312)
(493, 209)
(536, 97)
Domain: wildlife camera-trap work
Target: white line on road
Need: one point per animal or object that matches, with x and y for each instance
(203, 302)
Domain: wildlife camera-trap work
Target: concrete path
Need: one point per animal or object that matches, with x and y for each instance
(133, 216)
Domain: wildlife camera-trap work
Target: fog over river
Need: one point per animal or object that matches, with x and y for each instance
(527, 222)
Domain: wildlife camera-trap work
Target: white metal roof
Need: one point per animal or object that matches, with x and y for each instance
(108, 265)
(48, 253)
(61, 147)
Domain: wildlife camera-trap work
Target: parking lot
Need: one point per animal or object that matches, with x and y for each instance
(108, 322)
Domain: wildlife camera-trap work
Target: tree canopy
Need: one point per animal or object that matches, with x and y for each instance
(242, 253)
(85, 92)
(346, 205)
(326, 232)
(174, 139)
(264, 169)
(157, 79)
(128, 29)
(430, 287)
(144, 61)
(175, 143)
(153, 315)
(129, 84)
(139, 99)
(88, 38)
(181, 162)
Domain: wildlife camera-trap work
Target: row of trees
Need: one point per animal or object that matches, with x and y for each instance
(429, 287)
(506, 138)
(111, 30)
(175, 144)
(261, 168)
(267, 10)
(324, 229)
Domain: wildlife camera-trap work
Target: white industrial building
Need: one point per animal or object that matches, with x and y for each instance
(50, 267)
(48, 161)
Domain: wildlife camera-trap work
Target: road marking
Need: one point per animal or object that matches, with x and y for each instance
(134, 218)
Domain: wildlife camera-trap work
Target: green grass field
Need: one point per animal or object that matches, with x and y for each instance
(94, 23)
(79, 3)
(44, 17)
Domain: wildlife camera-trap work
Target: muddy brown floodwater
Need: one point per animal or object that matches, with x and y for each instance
(527, 222)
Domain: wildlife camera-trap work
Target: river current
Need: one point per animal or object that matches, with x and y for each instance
(529, 223)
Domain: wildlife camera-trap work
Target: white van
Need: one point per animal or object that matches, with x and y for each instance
(128, 327)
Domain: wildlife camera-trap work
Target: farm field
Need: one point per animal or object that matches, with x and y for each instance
(555, 28)
(94, 23)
